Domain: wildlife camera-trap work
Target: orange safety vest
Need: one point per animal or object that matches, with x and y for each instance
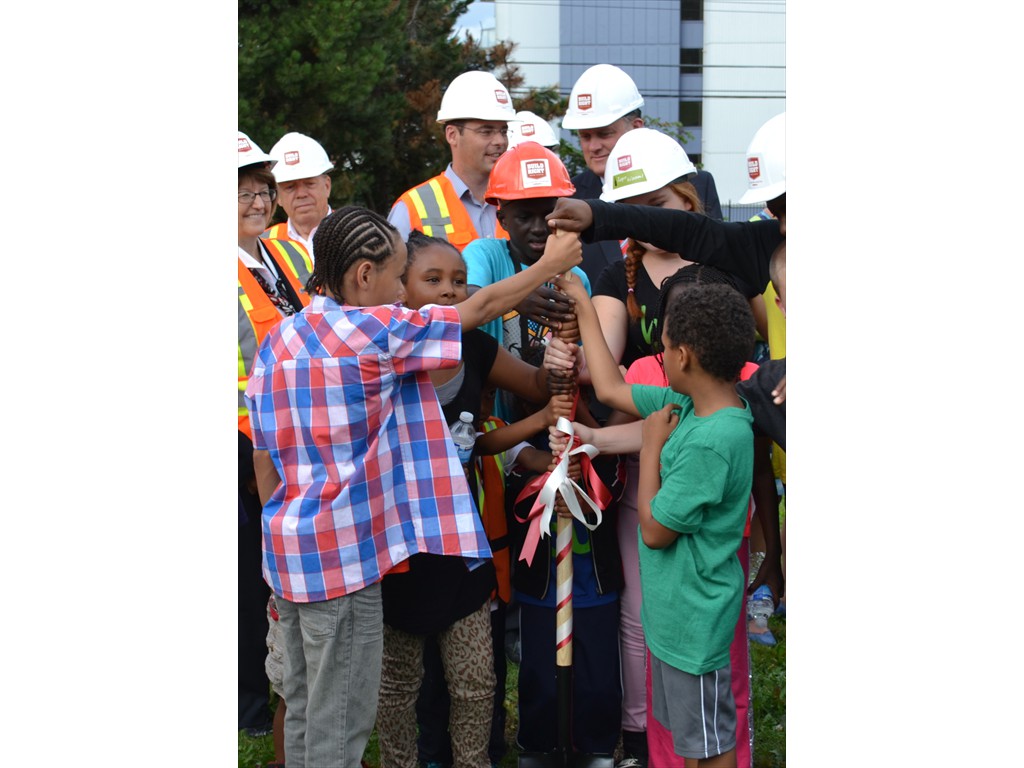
(277, 232)
(437, 211)
(490, 483)
(257, 315)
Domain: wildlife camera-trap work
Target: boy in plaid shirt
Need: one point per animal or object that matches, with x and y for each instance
(356, 467)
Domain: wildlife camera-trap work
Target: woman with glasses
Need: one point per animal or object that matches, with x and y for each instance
(271, 279)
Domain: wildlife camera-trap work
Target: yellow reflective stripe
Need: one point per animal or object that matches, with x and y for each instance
(499, 458)
(243, 374)
(421, 211)
(244, 298)
(442, 205)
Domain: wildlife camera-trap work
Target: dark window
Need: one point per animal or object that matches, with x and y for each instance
(691, 112)
(690, 60)
(691, 10)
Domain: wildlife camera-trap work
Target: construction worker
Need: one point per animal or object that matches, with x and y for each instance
(303, 188)
(603, 105)
(271, 276)
(529, 127)
(475, 111)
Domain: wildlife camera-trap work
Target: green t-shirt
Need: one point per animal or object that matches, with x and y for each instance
(693, 589)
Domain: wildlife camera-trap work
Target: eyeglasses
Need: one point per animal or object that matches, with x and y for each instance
(487, 132)
(267, 195)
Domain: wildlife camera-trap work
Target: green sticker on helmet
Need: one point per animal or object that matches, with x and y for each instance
(627, 178)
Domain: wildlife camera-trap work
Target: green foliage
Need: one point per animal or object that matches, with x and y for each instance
(362, 77)
(769, 698)
(253, 751)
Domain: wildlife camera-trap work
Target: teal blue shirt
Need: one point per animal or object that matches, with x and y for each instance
(693, 589)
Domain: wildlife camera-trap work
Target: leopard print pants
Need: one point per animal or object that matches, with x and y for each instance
(468, 658)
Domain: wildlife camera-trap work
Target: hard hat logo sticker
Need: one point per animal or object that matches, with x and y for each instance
(291, 158)
(243, 145)
(535, 173)
(625, 162)
(501, 96)
(584, 101)
(528, 129)
(753, 168)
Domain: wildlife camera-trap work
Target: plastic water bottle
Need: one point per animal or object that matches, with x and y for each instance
(759, 607)
(464, 436)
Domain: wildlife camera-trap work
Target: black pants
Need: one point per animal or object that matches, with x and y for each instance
(596, 683)
(253, 593)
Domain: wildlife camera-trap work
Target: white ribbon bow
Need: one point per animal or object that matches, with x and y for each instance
(560, 482)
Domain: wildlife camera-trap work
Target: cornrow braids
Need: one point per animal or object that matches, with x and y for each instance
(347, 236)
(715, 322)
(634, 257)
(418, 241)
(688, 275)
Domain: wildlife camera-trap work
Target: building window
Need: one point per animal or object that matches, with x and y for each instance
(691, 60)
(691, 112)
(691, 10)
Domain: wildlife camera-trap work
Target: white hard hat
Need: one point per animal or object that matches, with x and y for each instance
(601, 96)
(766, 162)
(528, 127)
(476, 96)
(642, 161)
(249, 153)
(299, 157)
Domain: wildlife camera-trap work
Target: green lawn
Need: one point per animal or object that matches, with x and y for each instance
(769, 673)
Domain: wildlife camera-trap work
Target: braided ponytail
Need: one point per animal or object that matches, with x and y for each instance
(634, 256)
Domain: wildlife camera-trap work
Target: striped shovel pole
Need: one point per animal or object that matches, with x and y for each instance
(563, 600)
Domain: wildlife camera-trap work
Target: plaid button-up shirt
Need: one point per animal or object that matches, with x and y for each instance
(341, 399)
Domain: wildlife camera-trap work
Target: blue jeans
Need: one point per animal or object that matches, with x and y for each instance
(332, 662)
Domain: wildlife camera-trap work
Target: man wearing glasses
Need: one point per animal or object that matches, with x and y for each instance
(475, 111)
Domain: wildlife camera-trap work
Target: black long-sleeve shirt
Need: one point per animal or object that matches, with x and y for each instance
(742, 248)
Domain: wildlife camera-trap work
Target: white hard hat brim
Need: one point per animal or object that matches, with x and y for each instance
(763, 194)
(283, 173)
(258, 158)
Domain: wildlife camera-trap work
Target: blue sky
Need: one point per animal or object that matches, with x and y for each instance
(474, 15)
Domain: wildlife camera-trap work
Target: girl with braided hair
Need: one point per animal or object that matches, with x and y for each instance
(646, 167)
(356, 468)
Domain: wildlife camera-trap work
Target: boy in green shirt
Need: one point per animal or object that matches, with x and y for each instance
(696, 466)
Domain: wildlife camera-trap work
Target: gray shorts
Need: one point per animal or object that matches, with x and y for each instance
(699, 710)
(275, 651)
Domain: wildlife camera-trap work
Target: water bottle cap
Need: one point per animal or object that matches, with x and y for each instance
(466, 416)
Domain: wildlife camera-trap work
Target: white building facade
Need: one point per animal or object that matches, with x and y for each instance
(716, 66)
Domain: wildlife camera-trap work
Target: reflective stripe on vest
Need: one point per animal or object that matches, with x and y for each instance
(257, 315)
(294, 257)
(435, 218)
(277, 232)
(437, 211)
(490, 483)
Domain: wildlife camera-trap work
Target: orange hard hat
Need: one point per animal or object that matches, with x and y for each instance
(528, 170)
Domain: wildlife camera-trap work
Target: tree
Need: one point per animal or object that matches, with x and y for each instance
(362, 77)
(365, 79)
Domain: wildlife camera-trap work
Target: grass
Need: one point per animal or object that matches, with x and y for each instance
(769, 681)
